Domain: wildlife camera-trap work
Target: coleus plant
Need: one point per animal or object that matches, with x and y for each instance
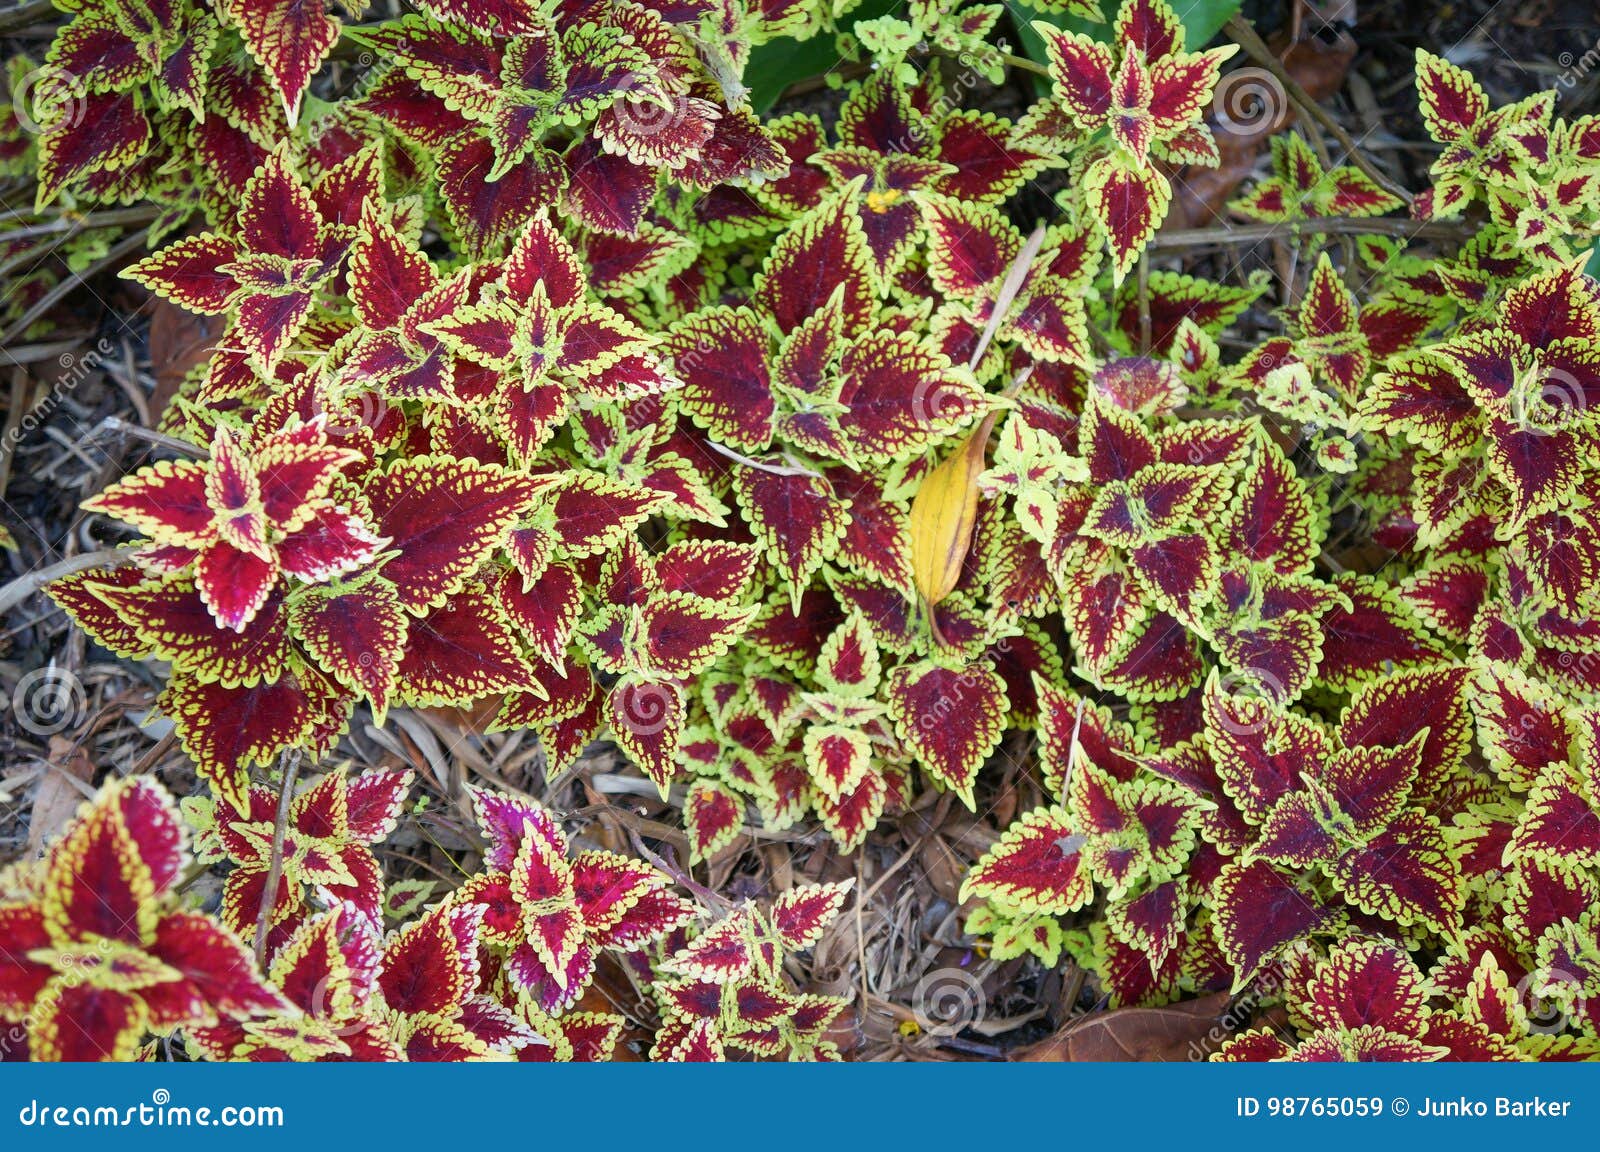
(1368, 1001)
(559, 388)
(1148, 96)
(546, 917)
(1300, 189)
(509, 105)
(413, 996)
(326, 853)
(1429, 816)
(100, 948)
(724, 989)
(103, 950)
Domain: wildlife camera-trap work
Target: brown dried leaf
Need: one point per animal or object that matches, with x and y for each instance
(1317, 65)
(942, 870)
(68, 780)
(1173, 1033)
(179, 341)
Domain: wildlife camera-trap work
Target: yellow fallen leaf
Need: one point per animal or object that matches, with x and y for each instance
(946, 505)
(943, 513)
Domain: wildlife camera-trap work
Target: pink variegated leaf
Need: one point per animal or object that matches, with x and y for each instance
(442, 516)
(461, 651)
(290, 39)
(507, 820)
(797, 519)
(1453, 106)
(849, 818)
(683, 633)
(1260, 748)
(1561, 819)
(823, 252)
(713, 814)
(722, 954)
(646, 719)
(1036, 866)
(1152, 922)
(801, 914)
(357, 634)
(838, 759)
(924, 700)
(1406, 874)
(1128, 204)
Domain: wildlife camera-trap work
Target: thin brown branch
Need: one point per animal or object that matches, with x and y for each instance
(23, 15)
(30, 582)
(120, 252)
(160, 439)
(681, 875)
(73, 222)
(1326, 226)
(1256, 48)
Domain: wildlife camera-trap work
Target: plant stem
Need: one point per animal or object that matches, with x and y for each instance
(280, 832)
(1022, 62)
(1145, 324)
(762, 466)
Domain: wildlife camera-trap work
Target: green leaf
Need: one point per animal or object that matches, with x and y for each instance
(776, 65)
